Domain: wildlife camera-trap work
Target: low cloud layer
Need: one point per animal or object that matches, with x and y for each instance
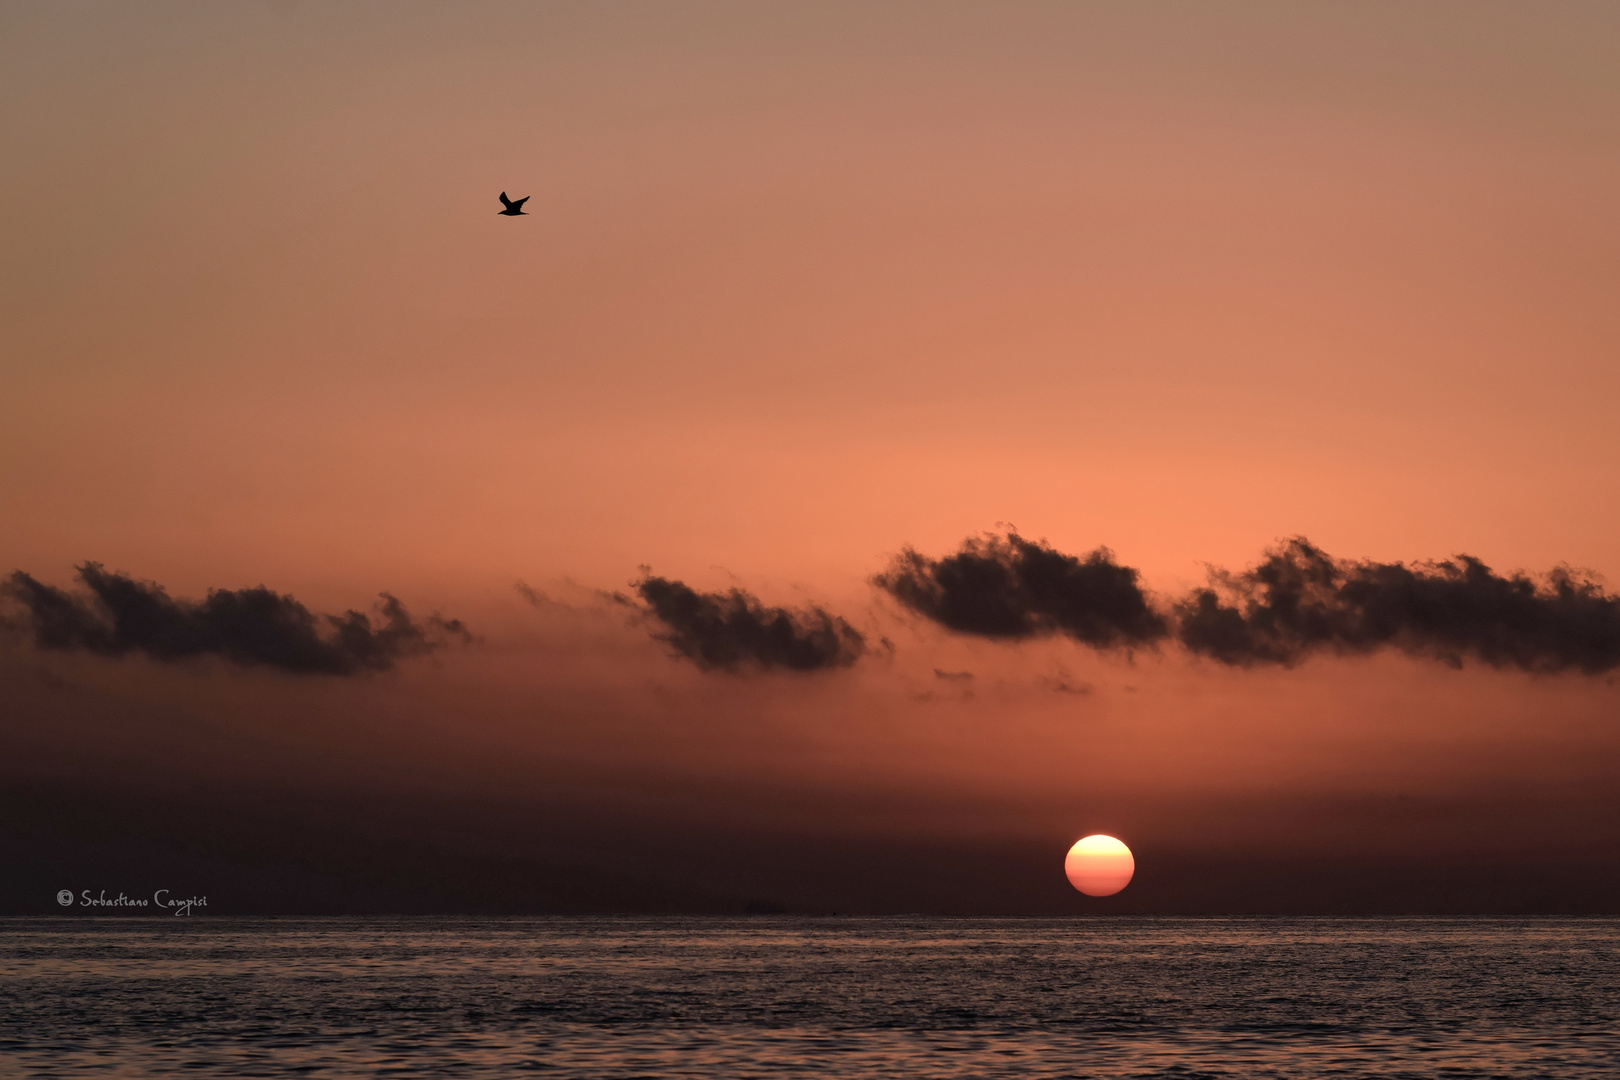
(120, 615)
(1299, 600)
(733, 631)
(1011, 588)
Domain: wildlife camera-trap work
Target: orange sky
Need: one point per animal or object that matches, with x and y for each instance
(802, 284)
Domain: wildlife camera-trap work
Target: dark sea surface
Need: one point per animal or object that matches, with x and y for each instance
(785, 997)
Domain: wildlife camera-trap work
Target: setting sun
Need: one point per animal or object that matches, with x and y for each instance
(1099, 865)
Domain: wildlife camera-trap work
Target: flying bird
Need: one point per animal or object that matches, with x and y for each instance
(513, 209)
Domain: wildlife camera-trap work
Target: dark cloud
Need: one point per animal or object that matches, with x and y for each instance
(121, 615)
(1300, 600)
(1011, 588)
(732, 631)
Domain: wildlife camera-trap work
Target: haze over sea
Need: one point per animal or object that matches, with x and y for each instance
(783, 996)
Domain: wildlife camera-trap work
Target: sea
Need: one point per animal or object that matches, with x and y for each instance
(782, 996)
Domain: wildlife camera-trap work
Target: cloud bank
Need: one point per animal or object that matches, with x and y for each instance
(1300, 600)
(1007, 587)
(1297, 602)
(733, 631)
(256, 626)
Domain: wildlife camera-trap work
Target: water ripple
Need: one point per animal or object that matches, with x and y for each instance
(785, 997)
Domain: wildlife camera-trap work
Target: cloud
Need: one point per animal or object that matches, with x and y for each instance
(1010, 588)
(544, 601)
(1300, 600)
(121, 615)
(534, 596)
(732, 630)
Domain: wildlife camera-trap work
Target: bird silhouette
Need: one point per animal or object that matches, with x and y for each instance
(513, 209)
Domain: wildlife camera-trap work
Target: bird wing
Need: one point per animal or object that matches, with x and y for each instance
(519, 204)
(508, 202)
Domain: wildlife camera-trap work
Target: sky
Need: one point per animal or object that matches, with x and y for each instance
(805, 291)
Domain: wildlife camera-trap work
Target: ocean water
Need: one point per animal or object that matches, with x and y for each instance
(825, 997)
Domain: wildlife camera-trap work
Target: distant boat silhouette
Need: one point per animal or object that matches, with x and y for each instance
(513, 209)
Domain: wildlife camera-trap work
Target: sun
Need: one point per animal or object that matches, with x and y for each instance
(1099, 865)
